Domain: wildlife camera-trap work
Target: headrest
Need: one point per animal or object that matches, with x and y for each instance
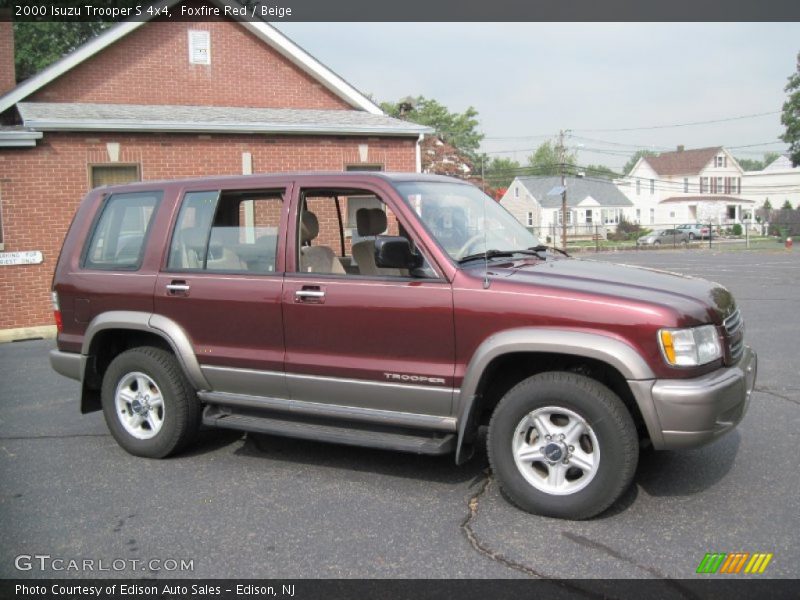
(370, 221)
(309, 227)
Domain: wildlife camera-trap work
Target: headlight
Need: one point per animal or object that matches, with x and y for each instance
(690, 347)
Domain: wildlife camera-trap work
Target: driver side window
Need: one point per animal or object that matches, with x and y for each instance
(338, 232)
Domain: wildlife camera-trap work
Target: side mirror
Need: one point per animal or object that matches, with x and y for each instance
(394, 252)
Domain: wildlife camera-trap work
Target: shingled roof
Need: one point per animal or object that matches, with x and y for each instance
(682, 162)
(605, 193)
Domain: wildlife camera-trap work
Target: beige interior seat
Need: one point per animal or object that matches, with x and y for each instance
(371, 222)
(316, 259)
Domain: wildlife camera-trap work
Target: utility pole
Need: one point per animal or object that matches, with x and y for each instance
(562, 159)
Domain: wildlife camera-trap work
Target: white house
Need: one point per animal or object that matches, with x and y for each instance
(593, 205)
(778, 182)
(688, 186)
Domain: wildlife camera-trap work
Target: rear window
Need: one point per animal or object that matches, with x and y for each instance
(118, 238)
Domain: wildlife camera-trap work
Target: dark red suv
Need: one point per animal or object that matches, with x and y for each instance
(397, 311)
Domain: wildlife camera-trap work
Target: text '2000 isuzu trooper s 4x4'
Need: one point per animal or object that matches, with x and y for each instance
(395, 311)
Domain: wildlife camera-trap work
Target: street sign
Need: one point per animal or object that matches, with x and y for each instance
(30, 257)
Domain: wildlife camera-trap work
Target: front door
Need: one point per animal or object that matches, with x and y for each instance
(222, 283)
(356, 334)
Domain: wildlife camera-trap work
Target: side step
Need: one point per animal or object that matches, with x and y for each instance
(401, 440)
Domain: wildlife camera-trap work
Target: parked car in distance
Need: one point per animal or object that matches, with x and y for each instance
(663, 236)
(695, 231)
(398, 311)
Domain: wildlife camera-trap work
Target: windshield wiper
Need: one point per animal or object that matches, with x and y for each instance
(497, 254)
(542, 248)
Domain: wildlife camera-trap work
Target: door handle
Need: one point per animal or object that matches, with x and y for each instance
(178, 287)
(310, 294)
(303, 294)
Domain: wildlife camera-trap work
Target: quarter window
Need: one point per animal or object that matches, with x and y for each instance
(117, 241)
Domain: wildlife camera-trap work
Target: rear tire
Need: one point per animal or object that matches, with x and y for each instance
(149, 405)
(587, 462)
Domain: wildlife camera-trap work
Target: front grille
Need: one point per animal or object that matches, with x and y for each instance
(734, 332)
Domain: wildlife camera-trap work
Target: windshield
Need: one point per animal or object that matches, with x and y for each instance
(464, 220)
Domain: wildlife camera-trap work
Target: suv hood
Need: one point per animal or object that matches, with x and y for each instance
(691, 296)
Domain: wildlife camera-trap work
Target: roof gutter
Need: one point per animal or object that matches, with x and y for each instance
(188, 127)
(19, 139)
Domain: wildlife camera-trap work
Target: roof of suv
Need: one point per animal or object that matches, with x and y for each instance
(264, 178)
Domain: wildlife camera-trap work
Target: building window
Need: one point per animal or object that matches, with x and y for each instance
(611, 216)
(703, 185)
(364, 167)
(638, 215)
(638, 186)
(719, 185)
(722, 161)
(199, 47)
(652, 215)
(529, 219)
(713, 181)
(685, 185)
(672, 214)
(569, 217)
(652, 186)
(113, 174)
(738, 185)
(732, 212)
(589, 216)
(516, 191)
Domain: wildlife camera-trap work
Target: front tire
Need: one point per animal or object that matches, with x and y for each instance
(562, 445)
(149, 405)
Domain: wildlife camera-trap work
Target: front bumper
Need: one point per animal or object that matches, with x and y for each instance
(693, 412)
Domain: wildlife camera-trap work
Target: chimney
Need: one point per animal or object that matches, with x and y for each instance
(680, 148)
(7, 73)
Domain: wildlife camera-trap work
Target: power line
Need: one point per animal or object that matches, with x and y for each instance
(725, 120)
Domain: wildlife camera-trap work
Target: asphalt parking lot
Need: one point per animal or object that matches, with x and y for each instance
(253, 506)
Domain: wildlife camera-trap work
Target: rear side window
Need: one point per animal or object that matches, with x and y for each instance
(118, 238)
(231, 231)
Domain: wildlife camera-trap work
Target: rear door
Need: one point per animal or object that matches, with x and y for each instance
(222, 282)
(383, 340)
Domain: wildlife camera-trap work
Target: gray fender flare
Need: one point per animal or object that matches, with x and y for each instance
(598, 346)
(159, 325)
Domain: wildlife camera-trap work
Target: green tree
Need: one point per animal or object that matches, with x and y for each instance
(601, 171)
(546, 160)
(39, 44)
(635, 158)
(791, 115)
(787, 205)
(767, 205)
(500, 172)
(458, 129)
(753, 164)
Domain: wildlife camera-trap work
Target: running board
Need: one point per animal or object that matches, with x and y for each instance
(400, 440)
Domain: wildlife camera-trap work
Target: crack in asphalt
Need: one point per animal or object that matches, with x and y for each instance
(482, 549)
(769, 392)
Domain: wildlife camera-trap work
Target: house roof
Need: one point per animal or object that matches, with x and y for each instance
(606, 193)
(18, 137)
(262, 30)
(682, 162)
(62, 116)
(706, 198)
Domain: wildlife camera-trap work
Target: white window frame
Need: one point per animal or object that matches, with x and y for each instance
(529, 218)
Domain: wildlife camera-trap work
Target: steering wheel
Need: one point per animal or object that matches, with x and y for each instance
(478, 237)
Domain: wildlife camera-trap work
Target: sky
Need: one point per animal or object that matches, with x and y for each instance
(529, 80)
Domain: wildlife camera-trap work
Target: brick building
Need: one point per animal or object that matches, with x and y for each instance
(162, 100)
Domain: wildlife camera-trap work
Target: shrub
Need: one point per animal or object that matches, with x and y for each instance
(736, 229)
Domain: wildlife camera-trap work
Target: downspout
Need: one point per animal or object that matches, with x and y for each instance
(419, 152)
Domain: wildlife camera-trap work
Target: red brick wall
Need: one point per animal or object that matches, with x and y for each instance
(151, 66)
(40, 188)
(7, 79)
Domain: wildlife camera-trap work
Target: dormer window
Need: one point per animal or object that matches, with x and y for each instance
(199, 47)
(722, 161)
